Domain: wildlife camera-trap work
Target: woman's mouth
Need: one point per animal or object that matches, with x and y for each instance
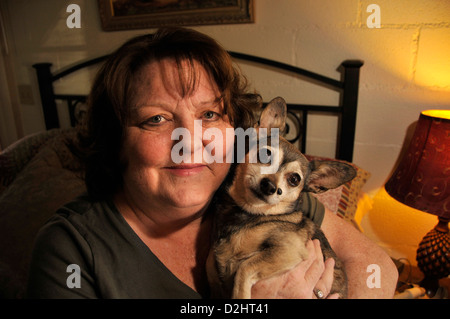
(186, 169)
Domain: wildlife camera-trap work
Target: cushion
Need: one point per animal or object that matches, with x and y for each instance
(14, 158)
(48, 180)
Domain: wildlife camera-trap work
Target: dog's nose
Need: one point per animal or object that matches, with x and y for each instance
(267, 187)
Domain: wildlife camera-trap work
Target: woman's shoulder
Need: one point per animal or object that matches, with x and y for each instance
(78, 209)
(81, 215)
(80, 205)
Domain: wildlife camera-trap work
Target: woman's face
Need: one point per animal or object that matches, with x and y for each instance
(152, 175)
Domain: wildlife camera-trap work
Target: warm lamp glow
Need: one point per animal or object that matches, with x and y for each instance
(438, 114)
(434, 78)
(432, 69)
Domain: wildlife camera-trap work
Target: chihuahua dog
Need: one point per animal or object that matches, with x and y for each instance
(258, 230)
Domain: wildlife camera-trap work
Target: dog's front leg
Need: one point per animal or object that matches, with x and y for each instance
(244, 279)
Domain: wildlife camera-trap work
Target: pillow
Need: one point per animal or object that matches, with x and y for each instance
(16, 156)
(36, 192)
(343, 200)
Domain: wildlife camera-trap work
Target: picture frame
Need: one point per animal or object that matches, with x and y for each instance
(118, 15)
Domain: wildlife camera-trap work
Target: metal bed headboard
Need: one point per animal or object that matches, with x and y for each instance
(346, 110)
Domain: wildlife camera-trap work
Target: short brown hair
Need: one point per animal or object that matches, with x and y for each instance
(115, 85)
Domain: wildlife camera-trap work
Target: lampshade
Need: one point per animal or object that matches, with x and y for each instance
(422, 178)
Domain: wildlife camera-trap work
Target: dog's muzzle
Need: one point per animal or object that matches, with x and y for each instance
(268, 188)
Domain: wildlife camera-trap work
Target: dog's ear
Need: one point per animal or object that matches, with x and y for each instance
(274, 115)
(326, 175)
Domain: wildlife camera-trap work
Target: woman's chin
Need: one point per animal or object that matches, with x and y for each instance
(186, 202)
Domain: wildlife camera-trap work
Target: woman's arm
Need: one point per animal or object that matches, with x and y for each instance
(363, 260)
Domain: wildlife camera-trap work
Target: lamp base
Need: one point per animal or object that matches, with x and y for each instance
(433, 256)
(431, 286)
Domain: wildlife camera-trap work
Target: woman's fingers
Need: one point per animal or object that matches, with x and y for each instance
(326, 280)
(328, 273)
(321, 273)
(317, 266)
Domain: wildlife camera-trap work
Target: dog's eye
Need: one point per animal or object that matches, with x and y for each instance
(264, 155)
(294, 179)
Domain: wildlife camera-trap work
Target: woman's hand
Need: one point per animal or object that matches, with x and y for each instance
(300, 282)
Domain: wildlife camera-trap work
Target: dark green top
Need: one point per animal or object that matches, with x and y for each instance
(113, 260)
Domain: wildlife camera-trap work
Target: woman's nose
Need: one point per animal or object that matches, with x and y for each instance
(192, 140)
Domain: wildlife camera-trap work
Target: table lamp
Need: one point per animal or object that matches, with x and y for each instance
(422, 181)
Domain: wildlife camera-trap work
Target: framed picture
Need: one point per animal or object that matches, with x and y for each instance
(142, 14)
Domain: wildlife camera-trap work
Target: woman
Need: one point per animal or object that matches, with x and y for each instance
(143, 229)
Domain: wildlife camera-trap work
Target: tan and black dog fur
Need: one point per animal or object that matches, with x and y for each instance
(258, 231)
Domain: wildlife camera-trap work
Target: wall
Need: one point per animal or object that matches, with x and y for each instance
(406, 68)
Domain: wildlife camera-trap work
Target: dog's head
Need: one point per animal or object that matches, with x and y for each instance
(258, 191)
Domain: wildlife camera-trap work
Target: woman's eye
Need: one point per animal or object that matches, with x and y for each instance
(154, 120)
(210, 115)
